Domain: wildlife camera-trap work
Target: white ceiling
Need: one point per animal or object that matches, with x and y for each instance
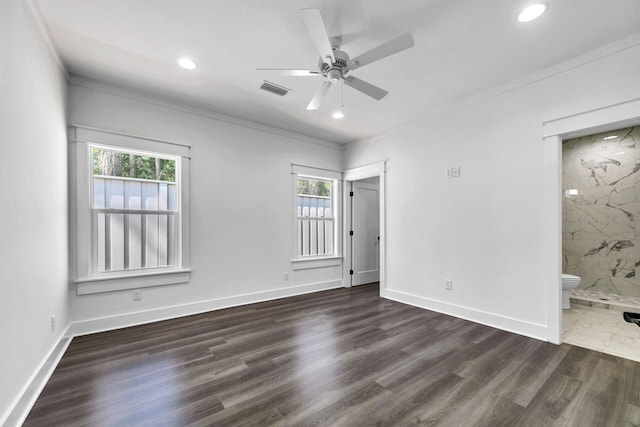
(462, 48)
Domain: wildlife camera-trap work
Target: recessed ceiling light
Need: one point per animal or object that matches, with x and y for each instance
(338, 114)
(187, 63)
(532, 12)
(606, 138)
(619, 153)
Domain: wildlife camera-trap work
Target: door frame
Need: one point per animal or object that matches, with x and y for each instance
(372, 170)
(357, 186)
(554, 131)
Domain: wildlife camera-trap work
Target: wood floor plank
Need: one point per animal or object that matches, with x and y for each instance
(603, 401)
(525, 383)
(555, 404)
(344, 357)
(633, 394)
(631, 416)
(409, 402)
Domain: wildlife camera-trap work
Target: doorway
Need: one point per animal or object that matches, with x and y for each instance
(554, 132)
(370, 252)
(365, 231)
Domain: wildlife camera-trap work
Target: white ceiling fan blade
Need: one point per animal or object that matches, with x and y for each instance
(296, 73)
(367, 88)
(319, 96)
(315, 24)
(400, 43)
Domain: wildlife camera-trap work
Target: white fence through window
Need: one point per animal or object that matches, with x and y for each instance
(134, 223)
(315, 225)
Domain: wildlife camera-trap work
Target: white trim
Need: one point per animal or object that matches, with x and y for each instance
(312, 172)
(83, 82)
(96, 285)
(336, 190)
(553, 227)
(26, 398)
(610, 117)
(44, 30)
(86, 279)
(378, 169)
(533, 330)
(315, 262)
(547, 73)
(366, 171)
(129, 142)
(616, 116)
(138, 318)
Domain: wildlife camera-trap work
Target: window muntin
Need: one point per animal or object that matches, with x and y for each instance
(135, 211)
(315, 206)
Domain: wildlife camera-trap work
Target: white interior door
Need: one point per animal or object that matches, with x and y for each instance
(366, 232)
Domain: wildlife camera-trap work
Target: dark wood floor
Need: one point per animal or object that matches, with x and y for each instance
(340, 357)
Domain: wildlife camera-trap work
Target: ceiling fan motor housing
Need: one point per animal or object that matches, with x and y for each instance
(335, 71)
(341, 58)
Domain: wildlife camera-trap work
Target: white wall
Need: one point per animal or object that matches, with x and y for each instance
(240, 250)
(486, 229)
(33, 229)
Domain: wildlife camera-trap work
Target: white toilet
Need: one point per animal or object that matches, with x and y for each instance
(569, 282)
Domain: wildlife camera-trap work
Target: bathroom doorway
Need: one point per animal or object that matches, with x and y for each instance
(554, 131)
(601, 215)
(601, 239)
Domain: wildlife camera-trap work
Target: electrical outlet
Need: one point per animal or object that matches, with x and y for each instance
(448, 284)
(53, 323)
(137, 295)
(286, 276)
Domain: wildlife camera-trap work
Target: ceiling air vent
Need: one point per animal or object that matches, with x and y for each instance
(274, 88)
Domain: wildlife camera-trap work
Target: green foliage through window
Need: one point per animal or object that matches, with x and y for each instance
(129, 165)
(314, 187)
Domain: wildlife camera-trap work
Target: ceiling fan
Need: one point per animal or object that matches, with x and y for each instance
(336, 65)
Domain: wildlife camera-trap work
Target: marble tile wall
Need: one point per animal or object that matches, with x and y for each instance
(601, 211)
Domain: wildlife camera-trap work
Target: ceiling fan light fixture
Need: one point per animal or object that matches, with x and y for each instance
(532, 12)
(187, 63)
(333, 75)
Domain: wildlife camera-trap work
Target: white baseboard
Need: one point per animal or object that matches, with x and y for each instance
(138, 318)
(533, 330)
(27, 397)
(24, 401)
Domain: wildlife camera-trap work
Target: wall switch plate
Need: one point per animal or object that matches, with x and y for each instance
(137, 295)
(286, 276)
(448, 284)
(453, 172)
(53, 323)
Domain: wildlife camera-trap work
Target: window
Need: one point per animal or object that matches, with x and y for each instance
(315, 216)
(316, 197)
(131, 199)
(134, 209)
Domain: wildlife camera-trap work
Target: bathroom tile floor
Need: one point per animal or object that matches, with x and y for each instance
(602, 330)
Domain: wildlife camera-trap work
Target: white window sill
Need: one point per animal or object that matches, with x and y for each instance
(315, 262)
(96, 285)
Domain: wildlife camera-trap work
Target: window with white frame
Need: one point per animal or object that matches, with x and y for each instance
(316, 198)
(134, 209)
(131, 200)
